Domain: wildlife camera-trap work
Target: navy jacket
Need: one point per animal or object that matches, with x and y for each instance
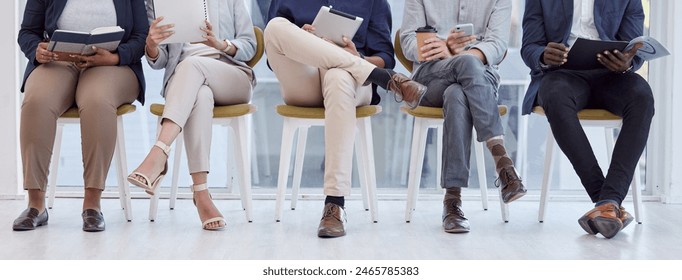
(42, 15)
(547, 21)
(373, 37)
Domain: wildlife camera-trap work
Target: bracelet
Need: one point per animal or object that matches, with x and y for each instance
(627, 70)
(229, 46)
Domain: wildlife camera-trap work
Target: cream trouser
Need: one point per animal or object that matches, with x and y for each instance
(197, 85)
(313, 73)
(53, 88)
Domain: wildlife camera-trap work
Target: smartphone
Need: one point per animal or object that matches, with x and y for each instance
(468, 28)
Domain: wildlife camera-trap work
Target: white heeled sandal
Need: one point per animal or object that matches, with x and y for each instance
(202, 187)
(148, 185)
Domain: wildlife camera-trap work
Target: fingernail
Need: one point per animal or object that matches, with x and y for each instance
(598, 55)
(606, 52)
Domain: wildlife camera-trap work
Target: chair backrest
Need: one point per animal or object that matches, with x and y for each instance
(399, 52)
(260, 47)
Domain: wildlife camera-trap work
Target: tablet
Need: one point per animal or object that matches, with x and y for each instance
(334, 25)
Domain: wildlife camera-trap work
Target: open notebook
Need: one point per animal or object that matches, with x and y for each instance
(187, 15)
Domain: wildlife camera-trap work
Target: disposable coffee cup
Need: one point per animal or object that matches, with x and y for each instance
(424, 33)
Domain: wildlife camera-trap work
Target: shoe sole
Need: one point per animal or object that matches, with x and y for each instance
(93, 229)
(626, 222)
(16, 228)
(457, 230)
(515, 197)
(607, 227)
(587, 225)
(330, 235)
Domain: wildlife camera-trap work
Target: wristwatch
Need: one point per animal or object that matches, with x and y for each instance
(229, 46)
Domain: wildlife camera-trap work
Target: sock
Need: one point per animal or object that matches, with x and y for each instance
(604, 201)
(453, 193)
(380, 77)
(496, 147)
(338, 200)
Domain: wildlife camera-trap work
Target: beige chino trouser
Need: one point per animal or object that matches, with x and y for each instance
(313, 73)
(198, 84)
(51, 90)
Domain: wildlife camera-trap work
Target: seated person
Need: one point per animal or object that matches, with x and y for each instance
(461, 74)
(614, 87)
(313, 73)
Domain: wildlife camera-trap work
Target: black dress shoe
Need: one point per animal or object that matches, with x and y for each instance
(93, 220)
(30, 219)
(453, 217)
(333, 221)
(512, 187)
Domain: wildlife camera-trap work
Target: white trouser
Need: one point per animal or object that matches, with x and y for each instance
(314, 73)
(197, 85)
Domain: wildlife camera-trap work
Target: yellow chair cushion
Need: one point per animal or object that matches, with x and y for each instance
(437, 112)
(229, 111)
(318, 112)
(586, 114)
(122, 110)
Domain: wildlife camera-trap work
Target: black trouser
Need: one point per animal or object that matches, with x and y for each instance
(563, 93)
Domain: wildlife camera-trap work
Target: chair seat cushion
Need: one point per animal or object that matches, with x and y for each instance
(228, 111)
(586, 114)
(437, 112)
(122, 110)
(318, 112)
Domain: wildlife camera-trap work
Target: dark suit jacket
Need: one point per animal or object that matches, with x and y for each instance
(547, 21)
(41, 16)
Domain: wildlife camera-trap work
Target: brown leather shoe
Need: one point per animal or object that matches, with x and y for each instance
(604, 219)
(625, 217)
(512, 187)
(453, 217)
(406, 90)
(333, 221)
(29, 219)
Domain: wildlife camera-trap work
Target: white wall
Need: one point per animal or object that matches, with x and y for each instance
(664, 165)
(9, 103)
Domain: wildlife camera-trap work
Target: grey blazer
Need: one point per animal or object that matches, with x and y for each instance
(235, 25)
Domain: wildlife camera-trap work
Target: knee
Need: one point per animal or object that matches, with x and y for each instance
(644, 99)
(275, 27)
(470, 62)
(553, 92)
(96, 102)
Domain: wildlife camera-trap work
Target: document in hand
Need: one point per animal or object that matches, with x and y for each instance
(583, 54)
(334, 25)
(68, 44)
(187, 15)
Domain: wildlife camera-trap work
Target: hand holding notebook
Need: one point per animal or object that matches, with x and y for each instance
(71, 45)
(583, 54)
(188, 17)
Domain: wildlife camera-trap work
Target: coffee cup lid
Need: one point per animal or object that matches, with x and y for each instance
(427, 28)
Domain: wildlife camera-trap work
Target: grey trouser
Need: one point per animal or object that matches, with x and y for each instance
(53, 88)
(467, 91)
